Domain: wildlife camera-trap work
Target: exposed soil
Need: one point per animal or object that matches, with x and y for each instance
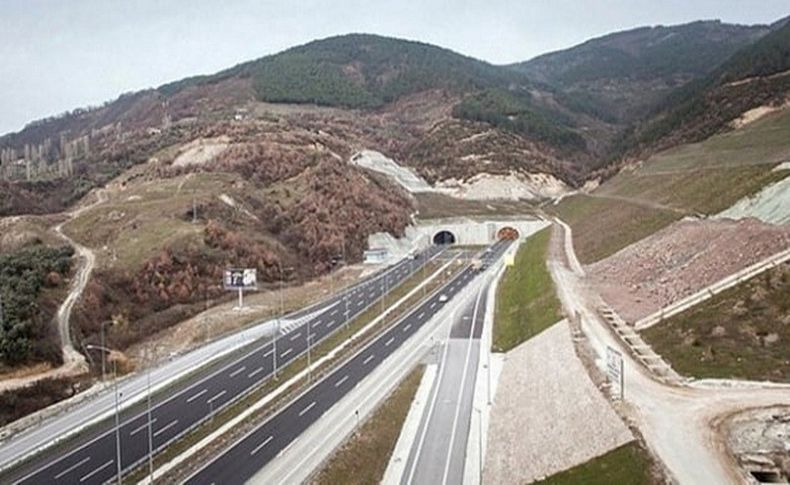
(548, 415)
(681, 259)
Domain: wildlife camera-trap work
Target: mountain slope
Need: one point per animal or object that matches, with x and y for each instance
(756, 76)
(625, 73)
(363, 71)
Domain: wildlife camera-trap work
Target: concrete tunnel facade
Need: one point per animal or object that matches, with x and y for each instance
(478, 232)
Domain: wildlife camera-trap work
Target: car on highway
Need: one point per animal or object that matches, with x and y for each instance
(443, 298)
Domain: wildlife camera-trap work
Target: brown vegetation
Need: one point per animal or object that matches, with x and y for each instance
(19, 403)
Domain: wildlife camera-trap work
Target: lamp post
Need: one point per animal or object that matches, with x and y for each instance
(150, 422)
(103, 345)
(117, 410)
(279, 317)
(480, 442)
(348, 289)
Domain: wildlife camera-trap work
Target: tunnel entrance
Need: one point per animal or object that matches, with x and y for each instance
(444, 237)
(507, 233)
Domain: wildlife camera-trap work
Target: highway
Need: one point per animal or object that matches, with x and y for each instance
(251, 453)
(91, 458)
(438, 454)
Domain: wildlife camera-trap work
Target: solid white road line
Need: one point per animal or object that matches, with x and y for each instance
(459, 398)
(258, 448)
(165, 428)
(94, 472)
(341, 381)
(217, 396)
(255, 372)
(197, 395)
(309, 407)
(238, 371)
(370, 357)
(285, 352)
(72, 467)
(141, 427)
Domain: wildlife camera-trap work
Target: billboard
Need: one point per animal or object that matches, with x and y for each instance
(240, 279)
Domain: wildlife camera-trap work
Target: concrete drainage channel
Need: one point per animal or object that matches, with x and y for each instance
(638, 347)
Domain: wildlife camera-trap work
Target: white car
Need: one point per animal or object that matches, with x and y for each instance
(443, 298)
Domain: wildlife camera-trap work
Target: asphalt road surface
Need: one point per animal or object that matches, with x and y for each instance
(438, 453)
(246, 457)
(92, 459)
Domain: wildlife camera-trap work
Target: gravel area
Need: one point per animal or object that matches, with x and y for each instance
(682, 259)
(548, 416)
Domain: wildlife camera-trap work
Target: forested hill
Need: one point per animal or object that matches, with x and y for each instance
(627, 73)
(756, 75)
(361, 71)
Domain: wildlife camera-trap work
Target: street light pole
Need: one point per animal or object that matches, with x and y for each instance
(117, 409)
(117, 422)
(309, 358)
(150, 426)
(480, 442)
(103, 344)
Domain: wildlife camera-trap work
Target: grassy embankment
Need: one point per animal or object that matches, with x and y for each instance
(363, 459)
(626, 465)
(740, 333)
(526, 302)
(700, 178)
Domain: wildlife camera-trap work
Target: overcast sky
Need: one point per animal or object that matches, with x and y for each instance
(56, 55)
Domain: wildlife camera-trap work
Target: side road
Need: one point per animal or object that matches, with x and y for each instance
(73, 362)
(679, 423)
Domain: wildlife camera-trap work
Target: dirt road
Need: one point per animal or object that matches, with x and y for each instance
(679, 424)
(73, 362)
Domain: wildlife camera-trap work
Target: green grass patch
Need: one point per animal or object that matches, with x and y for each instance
(626, 465)
(526, 302)
(363, 459)
(710, 176)
(703, 190)
(743, 332)
(601, 227)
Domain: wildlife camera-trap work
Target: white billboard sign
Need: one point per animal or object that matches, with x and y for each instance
(240, 279)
